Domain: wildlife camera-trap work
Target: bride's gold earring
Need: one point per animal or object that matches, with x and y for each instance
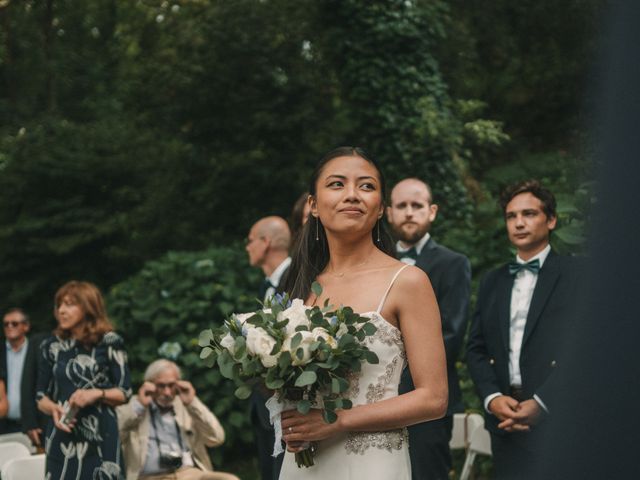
(378, 228)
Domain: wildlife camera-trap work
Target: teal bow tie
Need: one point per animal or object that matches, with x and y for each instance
(533, 266)
(411, 253)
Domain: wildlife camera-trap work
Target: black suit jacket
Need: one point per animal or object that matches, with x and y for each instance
(450, 275)
(30, 416)
(549, 320)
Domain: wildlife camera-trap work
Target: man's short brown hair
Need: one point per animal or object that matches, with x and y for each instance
(536, 189)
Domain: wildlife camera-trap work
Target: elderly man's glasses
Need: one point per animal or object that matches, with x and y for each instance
(249, 241)
(11, 324)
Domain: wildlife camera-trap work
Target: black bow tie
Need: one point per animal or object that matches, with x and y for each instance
(411, 253)
(533, 266)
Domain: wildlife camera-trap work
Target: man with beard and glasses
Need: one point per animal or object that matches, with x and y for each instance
(165, 430)
(410, 215)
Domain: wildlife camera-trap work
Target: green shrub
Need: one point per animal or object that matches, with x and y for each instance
(171, 300)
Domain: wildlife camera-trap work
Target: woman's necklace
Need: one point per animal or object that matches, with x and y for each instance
(341, 274)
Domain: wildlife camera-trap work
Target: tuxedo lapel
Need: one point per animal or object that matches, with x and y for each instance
(426, 255)
(504, 287)
(547, 279)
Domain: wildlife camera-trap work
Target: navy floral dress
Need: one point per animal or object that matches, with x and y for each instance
(92, 449)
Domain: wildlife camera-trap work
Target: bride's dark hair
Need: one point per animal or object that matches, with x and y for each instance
(310, 256)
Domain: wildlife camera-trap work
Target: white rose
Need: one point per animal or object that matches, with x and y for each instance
(297, 316)
(305, 344)
(242, 317)
(240, 320)
(320, 332)
(260, 343)
(229, 343)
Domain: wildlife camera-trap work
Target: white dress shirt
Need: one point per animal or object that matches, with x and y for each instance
(521, 294)
(15, 366)
(275, 277)
(419, 245)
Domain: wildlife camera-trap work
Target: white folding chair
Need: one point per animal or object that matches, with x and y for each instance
(11, 450)
(28, 468)
(464, 425)
(19, 438)
(480, 444)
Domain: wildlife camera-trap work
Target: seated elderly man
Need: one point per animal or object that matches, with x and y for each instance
(165, 429)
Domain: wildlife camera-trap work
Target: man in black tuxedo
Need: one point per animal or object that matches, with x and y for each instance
(524, 313)
(19, 360)
(268, 248)
(410, 215)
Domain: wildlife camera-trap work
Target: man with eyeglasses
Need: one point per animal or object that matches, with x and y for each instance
(268, 248)
(165, 430)
(19, 361)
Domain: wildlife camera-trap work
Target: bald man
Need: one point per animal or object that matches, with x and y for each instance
(410, 215)
(268, 248)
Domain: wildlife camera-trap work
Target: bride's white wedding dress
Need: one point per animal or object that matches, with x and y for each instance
(365, 455)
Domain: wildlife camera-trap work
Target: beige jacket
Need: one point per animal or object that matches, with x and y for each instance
(198, 425)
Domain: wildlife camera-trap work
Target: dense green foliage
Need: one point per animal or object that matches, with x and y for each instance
(152, 123)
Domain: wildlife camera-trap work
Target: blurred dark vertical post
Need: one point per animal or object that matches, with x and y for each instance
(596, 427)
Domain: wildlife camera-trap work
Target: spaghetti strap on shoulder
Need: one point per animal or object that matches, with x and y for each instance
(386, 293)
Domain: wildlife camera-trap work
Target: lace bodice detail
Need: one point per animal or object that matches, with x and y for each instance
(376, 382)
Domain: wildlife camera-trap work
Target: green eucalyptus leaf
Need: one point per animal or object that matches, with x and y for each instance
(275, 384)
(284, 361)
(343, 384)
(295, 341)
(369, 328)
(329, 416)
(205, 338)
(205, 352)
(210, 361)
(304, 406)
(345, 340)
(335, 385)
(371, 357)
(316, 288)
(243, 392)
(306, 378)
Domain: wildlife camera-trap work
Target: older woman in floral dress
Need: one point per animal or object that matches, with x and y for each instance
(82, 376)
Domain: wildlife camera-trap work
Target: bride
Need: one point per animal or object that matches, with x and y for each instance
(344, 248)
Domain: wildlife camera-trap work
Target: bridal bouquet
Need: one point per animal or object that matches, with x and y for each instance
(304, 354)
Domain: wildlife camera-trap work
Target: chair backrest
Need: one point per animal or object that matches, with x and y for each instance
(29, 468)
(17, 437)
(11, 450)
(480, 444)
(464, 424)
(480, 441)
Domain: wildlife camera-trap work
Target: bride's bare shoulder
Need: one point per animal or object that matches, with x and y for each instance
(412, 277)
